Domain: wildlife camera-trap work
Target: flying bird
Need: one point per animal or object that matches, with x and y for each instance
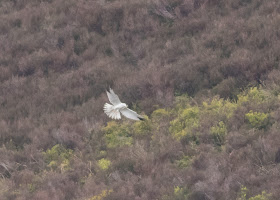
(114, 111)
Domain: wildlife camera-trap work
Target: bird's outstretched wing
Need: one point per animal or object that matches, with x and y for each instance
(131, 114)
(113, 98)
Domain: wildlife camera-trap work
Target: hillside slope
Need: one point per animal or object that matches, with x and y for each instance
(205, 73)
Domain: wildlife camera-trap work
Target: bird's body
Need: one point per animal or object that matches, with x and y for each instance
(120, 106)
(113, 111)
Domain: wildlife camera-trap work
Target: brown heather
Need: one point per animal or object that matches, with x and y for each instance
(169, 60)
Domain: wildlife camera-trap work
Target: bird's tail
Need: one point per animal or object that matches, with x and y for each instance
(107, 108)
(111, 112)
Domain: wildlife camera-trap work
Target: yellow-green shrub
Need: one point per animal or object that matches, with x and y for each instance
(189, 117)
(117, 135)
(219, 108)
(58, 157)
(184, 162)
(180, 193)
(252, 94)
(184, 124)
(104, 164)
(102, 195)
(263, 196)
(243, 195)
(181, 102)
(257, 119)
(160, 114)
(160, 120)
(142, 128)
(219, 132)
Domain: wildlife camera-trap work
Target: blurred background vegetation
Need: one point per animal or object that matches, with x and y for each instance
(204, 73)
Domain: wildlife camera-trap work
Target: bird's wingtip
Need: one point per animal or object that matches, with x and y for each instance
(141, 118)
(110, 91)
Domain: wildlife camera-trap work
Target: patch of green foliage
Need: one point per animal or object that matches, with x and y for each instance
(160, 120)
(263, 196)
(253, 95)
(243, 195)
(142, 128)
(104, 164)
(117, 134)
(179, 193)
(189, 118)
(219, 132)
(219, 108)
(181, 102)
(58, 158)
(184, 124)
(215, 114)
(102, 195)
(257, 119)
(159, 114)
(121, 134)
(184, 162)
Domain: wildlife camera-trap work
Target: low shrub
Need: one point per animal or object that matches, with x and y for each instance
(257, 119)
(117, 134)
(219, 133)
(104, 164)
(58, 158)
(184, 124)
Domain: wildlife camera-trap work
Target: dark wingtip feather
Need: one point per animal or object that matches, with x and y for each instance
(108, 89)
(141, 118)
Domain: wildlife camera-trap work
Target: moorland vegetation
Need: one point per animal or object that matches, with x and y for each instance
(204, 73)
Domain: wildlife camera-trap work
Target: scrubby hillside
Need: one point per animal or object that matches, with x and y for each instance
(205, 73)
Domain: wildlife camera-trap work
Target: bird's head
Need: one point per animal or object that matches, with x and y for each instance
(123, 105)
